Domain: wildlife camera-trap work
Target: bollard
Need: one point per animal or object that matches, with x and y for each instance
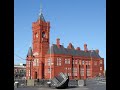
(16, 84)
(81, 82)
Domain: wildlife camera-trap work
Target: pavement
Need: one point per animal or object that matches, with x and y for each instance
(90, 85)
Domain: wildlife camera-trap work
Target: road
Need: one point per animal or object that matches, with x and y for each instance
(90, 85)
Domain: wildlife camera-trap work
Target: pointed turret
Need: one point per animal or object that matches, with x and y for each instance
(41, 17)
(30, 52)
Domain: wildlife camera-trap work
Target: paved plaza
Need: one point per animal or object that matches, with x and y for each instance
(90, 85)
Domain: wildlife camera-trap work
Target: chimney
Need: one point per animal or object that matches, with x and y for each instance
(58, 42)
(78, 48)
(70, 46)
(85, 47)
(97, 51)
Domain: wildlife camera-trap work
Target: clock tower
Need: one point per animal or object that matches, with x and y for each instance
(40, 33)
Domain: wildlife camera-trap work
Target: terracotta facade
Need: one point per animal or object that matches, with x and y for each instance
(45, 63)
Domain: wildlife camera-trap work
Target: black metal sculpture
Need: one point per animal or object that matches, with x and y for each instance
(60, 81)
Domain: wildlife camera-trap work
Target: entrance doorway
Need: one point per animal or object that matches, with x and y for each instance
(35, 75)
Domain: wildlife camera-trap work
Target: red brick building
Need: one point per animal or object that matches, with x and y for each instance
(45, 62)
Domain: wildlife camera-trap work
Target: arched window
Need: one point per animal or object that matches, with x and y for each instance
(43, 34)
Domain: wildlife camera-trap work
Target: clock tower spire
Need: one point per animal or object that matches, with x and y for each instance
(40, 41)
(41, 17)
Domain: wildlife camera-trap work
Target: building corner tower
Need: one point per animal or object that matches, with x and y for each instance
(40, 42)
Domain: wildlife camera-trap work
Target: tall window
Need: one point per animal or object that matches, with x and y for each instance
(75, 61)
(82, 71)
(67, 61)
(69, 74)
(74, 71)
(69, 68)
(95, 63)
(36, 62)
(82, 62)
(48, 62)
(100, 68)
(100, 61)
(88, 71)
(88, 62)
(28, 63)
(58, 61)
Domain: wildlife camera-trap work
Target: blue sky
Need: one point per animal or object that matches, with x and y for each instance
(73, 21)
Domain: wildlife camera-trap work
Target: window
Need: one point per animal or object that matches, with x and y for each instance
(74, 74)
(82, 71)
(69, 74)
(100, 68)
(86, 62)
(36, 62)
(95, 63)
(28, 63)
(74, 69)
(66, 69)
(67, 61)
(82, 62)
(48, 62)
(75, 61)
(100, 61)
(69, 68)
(43, 34)
(88, 72)
(58, 61)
